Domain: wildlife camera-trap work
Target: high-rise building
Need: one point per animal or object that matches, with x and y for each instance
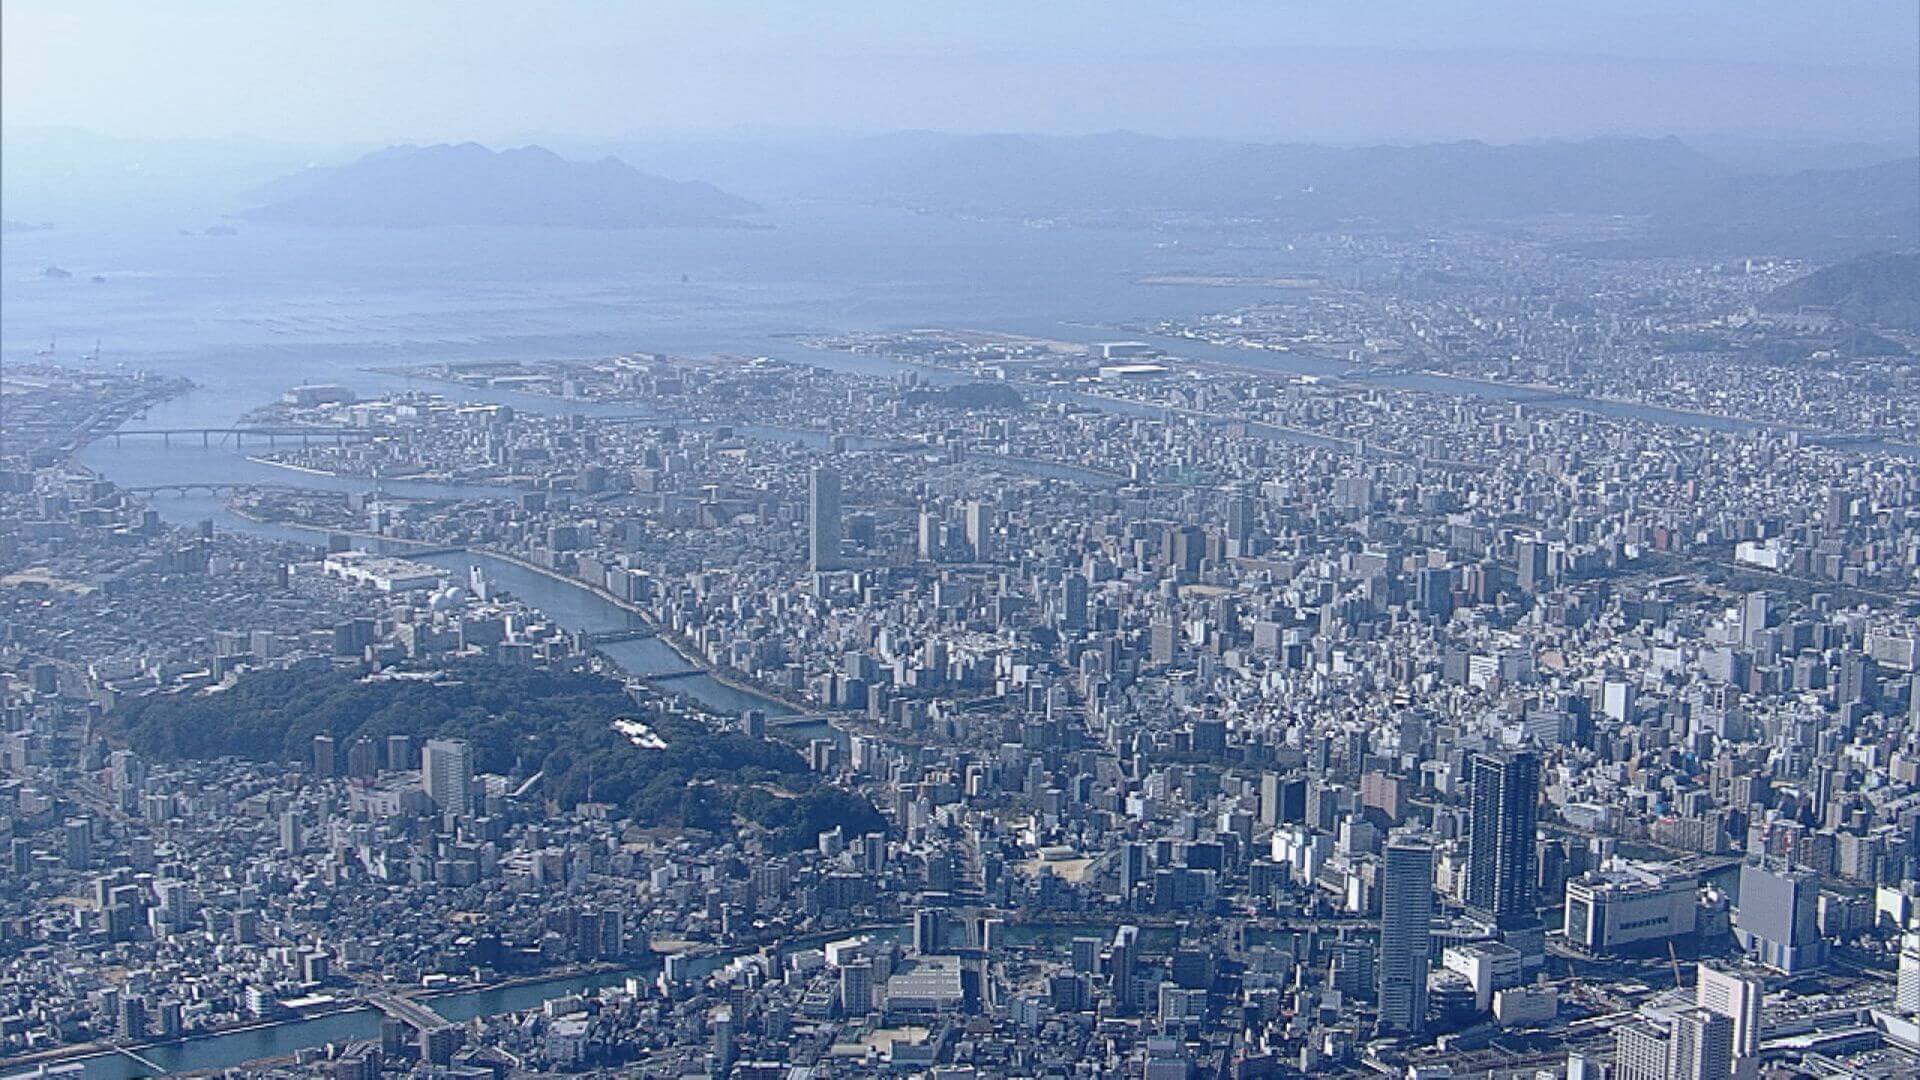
(856, 988)
(399, 752)
(929, 931)
(1756, 611)
(1531, 555)
(1640, 1051)
(1500, 857)
(979, 525)
(326, 758)
(927, 530)
(1700, 1046)
(1086, 955)
(1777, 919)
(823, 519)
(1123, 956)
(1736, 997)
(723, 1049)
(1433, 591)
(1073, 603)
(1906, 993)
(1406, 926)
(446, 770)
(77, 851)
(1163, 641)
(1242, 519)
(133, 1018)
(293, 832)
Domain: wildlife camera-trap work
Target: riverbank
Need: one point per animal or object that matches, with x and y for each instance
(503, 486)
(82, 1053)
(728, 677)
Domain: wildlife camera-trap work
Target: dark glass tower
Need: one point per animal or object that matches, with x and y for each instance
(1500, 860)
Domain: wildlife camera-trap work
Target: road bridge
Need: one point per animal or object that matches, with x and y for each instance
(239, 434)
(608, 637)
(409, 1012)
(215, 487)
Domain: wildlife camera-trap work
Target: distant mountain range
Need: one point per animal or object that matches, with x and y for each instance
(1299, 182)
(1715, 198)
(1872, 290)
(468, 184)
(1673, 197)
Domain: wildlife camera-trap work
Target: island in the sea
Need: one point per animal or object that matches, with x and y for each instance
(469, 184)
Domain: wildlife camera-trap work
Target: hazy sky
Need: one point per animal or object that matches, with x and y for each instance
(351, 71)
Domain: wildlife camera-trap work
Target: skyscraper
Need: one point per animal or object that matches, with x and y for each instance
(823, 519)
(979, 523)
(1736, 997)
(446, 770)
(1500, 858)
(1756, 611)
(1406, 918)
(1531, 554)
(1073, 602)
(1122, 958)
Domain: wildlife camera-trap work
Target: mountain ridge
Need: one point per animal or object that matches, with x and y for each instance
(1878, 289)
(407, 186)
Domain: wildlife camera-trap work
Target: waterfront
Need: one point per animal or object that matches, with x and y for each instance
(580, 610)
(226, 1050)
(273, 1040)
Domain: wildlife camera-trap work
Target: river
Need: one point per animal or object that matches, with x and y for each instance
(233, 1048)
(578, 609)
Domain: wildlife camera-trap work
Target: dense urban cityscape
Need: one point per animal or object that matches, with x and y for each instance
(1183, 716)
(1483, 642)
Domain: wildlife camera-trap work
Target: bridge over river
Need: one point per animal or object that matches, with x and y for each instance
(412, 1013)
(238, 434)
(220, 487)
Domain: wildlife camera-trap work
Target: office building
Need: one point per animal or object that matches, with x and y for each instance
(1906, 994)
(1640, 1052)
(1777, 920)
(979, 527)
(823, 519)
(1700, 1046)
(1736, 997)
(1406, 918)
